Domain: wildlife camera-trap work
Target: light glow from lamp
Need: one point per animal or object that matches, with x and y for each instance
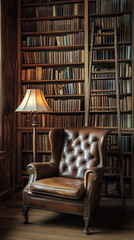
(33, 101)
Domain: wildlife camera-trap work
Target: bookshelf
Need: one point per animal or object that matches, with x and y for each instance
(50, 57)
(103, 111)
(54, 55)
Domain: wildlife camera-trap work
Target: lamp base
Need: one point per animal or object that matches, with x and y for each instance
(34, 124)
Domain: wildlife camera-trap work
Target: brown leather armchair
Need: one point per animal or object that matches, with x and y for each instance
(71, 181)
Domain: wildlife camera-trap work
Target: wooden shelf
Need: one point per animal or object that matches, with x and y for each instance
(113, 130)
(109, 78)
(103, 72)
(51, 64)
(64, 96)
(110, 111)
(53, 3)
(112, 43)
(111, 95)
(114, 152)
(50, 48)
(104, 61)
(37, 151)
(62, 112)
(38, 129)
(109, 14)
(51, 18)
(111, 61)
(52, 32)
(55, 81)
(115, 175)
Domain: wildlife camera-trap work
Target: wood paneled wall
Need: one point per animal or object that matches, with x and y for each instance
(8, 79)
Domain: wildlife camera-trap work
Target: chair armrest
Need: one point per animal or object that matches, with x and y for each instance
(41, 170)
(92, 183)
(96, 171)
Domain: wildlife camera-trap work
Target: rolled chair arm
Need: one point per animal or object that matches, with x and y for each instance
(38, 171)
(41, 170)
(92, 183)
(96, 171)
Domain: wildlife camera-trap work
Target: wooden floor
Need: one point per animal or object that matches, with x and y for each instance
(111, 223)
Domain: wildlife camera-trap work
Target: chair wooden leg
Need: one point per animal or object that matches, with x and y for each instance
(86, 220)
(25, 214)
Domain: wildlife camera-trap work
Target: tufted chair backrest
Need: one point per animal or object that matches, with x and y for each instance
(82, 149)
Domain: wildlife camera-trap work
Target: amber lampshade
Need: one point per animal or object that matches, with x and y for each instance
(33, 101)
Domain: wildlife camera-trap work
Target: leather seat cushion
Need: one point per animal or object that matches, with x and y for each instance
(59, 186)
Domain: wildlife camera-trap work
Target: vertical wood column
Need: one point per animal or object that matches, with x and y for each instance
(18, 92)
(1, 87)
(86, 61)
(8, 79)
(132, 187)
(19, 57)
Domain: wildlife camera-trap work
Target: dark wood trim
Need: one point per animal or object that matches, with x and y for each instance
(52, 3)
(52, 18)
(51, 32)
(133, 97)
(51, 48)
(1, 87)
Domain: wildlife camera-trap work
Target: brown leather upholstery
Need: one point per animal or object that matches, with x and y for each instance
(79, 153)
(57, 186)
(74, 175)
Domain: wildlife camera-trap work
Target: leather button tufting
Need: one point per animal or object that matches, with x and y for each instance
(73, 159)
(71, 149)
(88, 145)
(64, 168)
(75, 170)
(83, 162)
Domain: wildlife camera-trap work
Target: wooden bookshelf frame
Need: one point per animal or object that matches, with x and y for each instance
(85, 65)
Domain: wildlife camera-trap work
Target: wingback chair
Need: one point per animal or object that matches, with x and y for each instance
(71, 181)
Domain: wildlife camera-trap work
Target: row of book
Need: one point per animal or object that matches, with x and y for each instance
(113, 162)
(124, 52)
(108, 22)
(40, 73)
(106, 101)
(125, 85)
(42, 141)
(57, 89)
(113, 188)
(53, 57)
(51, 120)
(103, 54)
(95, 120)
(124, 70)
(65, 105)
(53, 25)
(54, 10)
(126, 142)
(110, 120)
(68, 39)
(44, 144)
(123, 35)
(105, 6)
(103, 39)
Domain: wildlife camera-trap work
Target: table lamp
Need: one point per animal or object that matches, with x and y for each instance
(34, 102)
